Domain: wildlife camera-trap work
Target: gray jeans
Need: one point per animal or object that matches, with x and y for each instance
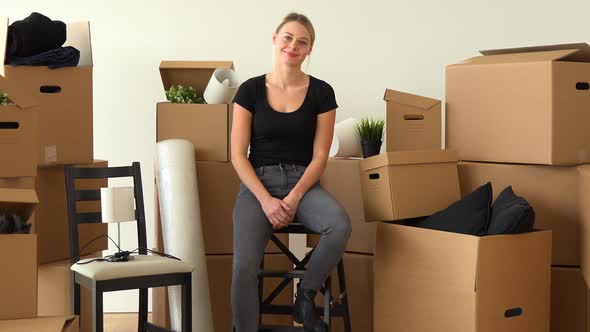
(318, 211)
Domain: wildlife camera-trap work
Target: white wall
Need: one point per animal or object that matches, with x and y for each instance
(362, 48)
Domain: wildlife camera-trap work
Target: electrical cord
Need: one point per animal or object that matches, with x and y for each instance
(120, 256)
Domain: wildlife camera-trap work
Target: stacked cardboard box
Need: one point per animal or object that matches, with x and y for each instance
(455, 281)
(49, 125)
(208, 126)
(517, 117)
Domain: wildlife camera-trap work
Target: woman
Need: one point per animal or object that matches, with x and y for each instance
(287, 118)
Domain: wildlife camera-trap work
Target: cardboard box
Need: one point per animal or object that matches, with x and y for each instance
(51, 217)
(523, 105)
(412, 122)
(553, 192)
(65, 97)
(18, 255)
(218, 186)
(584, 182)
(18, 281)
(41, 324)
(342, 179)
(569, 300)
(358, 269)
(408, 184)
(205, 125)
(219, 268)
(55, 293)
(428, 280)
(18, 133)
(27, 182)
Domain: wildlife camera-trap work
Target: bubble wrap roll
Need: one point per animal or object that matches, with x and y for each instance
(176, 177)
(346, 142)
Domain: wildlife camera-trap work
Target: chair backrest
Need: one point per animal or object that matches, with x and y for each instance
(76, 218)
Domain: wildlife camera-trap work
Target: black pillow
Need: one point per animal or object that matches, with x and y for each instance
(511, 214)
(470, 215)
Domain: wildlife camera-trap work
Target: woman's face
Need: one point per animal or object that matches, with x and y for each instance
(292, 44)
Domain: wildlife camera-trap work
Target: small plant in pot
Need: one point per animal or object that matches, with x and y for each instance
(179, 94)
(3, 99)
(370, 131)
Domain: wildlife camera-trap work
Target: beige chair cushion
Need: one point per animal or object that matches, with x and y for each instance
(141, 265)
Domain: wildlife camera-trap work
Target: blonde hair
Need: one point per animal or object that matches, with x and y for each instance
(303, 20)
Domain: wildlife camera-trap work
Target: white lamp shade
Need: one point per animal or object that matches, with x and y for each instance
(117, 204)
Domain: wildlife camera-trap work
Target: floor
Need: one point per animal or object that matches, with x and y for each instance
(121, 322)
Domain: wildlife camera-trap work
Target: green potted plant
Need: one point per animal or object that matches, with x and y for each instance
(3, 98)
(370, 131)
(184, 95)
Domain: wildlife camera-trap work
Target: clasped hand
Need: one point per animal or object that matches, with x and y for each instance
(280, 213)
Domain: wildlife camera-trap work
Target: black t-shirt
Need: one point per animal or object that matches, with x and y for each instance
(283, 137)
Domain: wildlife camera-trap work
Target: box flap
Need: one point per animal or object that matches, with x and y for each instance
(190, 73)
(547, 56)
(78, 36)
(409, 99)
(500, 256)
(513, 280)
(20, 201)
(409, 157)
(41, 324)
(16, 95)
(578, 52)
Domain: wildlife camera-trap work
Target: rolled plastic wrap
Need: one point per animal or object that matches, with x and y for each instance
(346, 142)
(221, 87)
(176, 176)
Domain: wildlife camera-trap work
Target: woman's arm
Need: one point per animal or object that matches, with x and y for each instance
(240, 140)
(321, 148)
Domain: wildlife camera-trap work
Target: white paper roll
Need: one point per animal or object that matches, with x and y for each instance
(346, 142)
(176, 176)
(117, 204)
(221, 87)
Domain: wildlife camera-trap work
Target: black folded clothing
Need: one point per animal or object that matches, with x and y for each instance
(34, 35)
(60, 57)
(13, 224)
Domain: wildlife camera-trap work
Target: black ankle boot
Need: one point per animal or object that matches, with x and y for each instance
(304, 311)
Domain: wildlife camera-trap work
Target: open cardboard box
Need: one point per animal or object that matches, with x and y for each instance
(205, 125)
(408, 184)
(64, 96)
(41, 324)
(524, 105)
(412, 122)
(427, 280)
(18, 133)
(18, 257)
